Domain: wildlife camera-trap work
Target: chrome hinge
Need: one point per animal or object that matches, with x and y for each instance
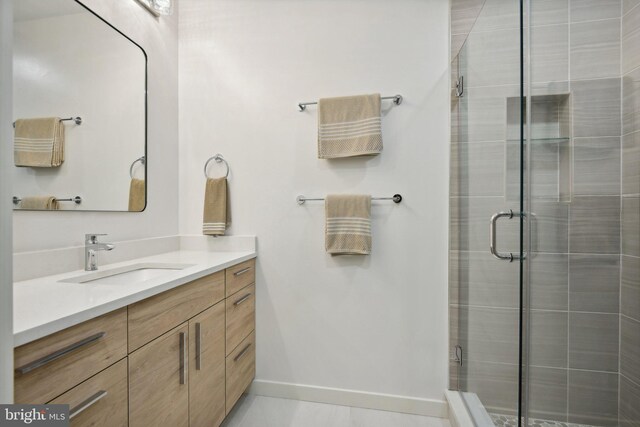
(457, 354)
(460, 87)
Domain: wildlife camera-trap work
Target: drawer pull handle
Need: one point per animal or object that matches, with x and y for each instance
(243, 299)
(239, 272)
(198, 346)
(242, 353)
(58, 354)
(87, 403)
(183, 365)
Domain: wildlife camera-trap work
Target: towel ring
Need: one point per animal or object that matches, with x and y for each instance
(142, 161)
(218, 158)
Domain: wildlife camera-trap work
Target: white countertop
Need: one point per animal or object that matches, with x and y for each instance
(43, 306)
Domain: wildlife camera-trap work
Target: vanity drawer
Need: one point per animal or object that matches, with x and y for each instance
(52, 365)
(152, 317)
(241, 369)
(240, 276)
(241, 316)
(102, 400)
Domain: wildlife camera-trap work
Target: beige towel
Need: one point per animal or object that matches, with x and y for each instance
(39, 203)
(348, 224)
(39, 142)
(136, 195)
(349, 126)
(217, 213)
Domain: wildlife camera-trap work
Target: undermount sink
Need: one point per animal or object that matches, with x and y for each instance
(127, 274)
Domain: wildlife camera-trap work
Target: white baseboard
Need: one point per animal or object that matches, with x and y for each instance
(358, 399)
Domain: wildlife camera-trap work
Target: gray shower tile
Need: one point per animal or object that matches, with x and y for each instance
(595, 49)
(548, 12)
(596, 166)
(544, 165)
(549, 226)
(630, 348)
(457, 41)
(630, 288)
(493, 58)
(593, 341)
(469, 224)
(596, 108)
(595, 225)
(477, 278)
(548, 393)
(549, 338)
(488, 334)
(627, 5)
(549, 279)
(631, 102)
(593, 398)
(477, 169)
(594, 283)
(549, 59)
(482, 113)
(496, 384)
(498, 15)
(631, 226)
(464, 14)
(631, 40)
(629, 398)
(589, 10)
(631, 163)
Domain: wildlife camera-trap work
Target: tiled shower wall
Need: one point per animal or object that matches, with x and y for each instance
(630, 287)
(584, 344)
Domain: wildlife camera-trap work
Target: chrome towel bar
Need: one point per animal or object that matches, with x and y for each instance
(397, 99)
(77, 200)
(77, 120)
(396, 198)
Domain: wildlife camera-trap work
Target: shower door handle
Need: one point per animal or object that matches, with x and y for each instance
(493, 247)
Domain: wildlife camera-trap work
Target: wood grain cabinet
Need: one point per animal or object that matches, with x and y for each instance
(181, 358)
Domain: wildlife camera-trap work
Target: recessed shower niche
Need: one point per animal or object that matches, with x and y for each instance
(550, 150)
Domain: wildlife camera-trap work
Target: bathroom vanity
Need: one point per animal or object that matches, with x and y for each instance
(174, 350)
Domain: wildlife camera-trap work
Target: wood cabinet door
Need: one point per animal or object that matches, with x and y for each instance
(207, 367)
(158, 381)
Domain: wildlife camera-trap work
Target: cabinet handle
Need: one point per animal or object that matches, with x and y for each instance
(243, 299)
(198, 346)
(242, 353)
(87, 403)
(183, 365)
(59, 353)
(239, 272)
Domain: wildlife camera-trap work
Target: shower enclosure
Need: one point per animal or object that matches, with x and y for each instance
(545, 211)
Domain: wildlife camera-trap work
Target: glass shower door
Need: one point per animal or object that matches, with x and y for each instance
(485, 296)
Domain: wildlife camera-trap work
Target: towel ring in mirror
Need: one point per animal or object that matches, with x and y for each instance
(218, 158)
(142, 161)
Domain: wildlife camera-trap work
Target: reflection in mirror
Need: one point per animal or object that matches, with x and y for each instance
(79, 110)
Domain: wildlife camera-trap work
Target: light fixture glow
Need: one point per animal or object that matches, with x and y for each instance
(158, 7)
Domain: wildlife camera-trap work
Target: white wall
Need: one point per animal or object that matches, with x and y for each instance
(158, 36)
(375, 324)
(6, 157)
(101, 79)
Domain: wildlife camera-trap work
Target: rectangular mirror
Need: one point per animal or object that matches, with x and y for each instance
(80, 89)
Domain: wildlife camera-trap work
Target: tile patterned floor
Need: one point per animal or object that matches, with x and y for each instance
(260, 411)
(510, 421)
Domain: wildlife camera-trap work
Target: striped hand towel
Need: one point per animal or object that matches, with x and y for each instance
(217, 213)
(39, 143)
(348, 224)
(349, 126)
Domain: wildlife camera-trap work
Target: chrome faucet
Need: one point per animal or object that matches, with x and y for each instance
(91, 245)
